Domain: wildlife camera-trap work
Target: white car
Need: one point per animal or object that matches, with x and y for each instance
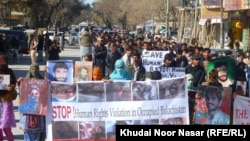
(51, 34)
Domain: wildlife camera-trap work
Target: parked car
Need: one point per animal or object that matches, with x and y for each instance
(21, 37)
(224, 52)
(172, 34)
(72, 37)
(51, 34)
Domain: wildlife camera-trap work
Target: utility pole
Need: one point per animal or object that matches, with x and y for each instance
(221, 24)
(153, 22)
(167, 11)
(195, 18)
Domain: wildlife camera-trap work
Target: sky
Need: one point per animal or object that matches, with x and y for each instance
(89, 1)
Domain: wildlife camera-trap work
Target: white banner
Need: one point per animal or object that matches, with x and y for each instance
(99, 104)
(171, 72)
(152, 59)
(122, 110)
(241, 110)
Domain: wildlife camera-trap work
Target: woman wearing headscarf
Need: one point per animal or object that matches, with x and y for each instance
(36, 132)
(120, 72)
(97, 74)
(7, 116)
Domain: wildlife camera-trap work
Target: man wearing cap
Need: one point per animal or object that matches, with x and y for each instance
(196, 70)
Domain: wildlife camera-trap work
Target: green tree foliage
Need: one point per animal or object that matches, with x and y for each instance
(50, 13)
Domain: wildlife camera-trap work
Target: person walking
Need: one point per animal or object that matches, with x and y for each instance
(37, 131)
(7, 116)
(33, 48)
(85, 43)
(40, 48)
(54, 51)
(14, 44)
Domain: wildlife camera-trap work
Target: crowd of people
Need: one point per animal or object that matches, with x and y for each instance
(119, 56)
(114, 57)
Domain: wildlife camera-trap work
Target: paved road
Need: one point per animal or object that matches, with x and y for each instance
(69, 53)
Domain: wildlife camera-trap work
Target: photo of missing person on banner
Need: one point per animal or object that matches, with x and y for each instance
(118, 91)
(111, 125)
(145, 90)
(65, 130)
(33, 96)
(173, 121)
(61, 71)
(4, 81)
(63, 92)
(92, 130)
(226, 68)
(83, 71)
(213, 105)
(91, 92)
(241, 87)
(172, 88)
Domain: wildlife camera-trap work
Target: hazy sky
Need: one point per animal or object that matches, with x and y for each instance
(89, 1)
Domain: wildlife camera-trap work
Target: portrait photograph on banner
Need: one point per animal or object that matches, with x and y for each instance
(172, 88)
(213, 105)
(146, 90)
(91, 92)
(110, 125)
(241, 87)
(63, 92)
(226, 68)
(118, 91)
(83, 71)
(92, 130)
(4, 81)
(65, 130)
(34, 96)
(60, 70)
(173, 121)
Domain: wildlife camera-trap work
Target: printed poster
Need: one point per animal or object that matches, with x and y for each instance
(213, 106)
(90, 91)
(118, 102)
(83, 71)
(241, 110)
(171, 72)
(152, 59)
(60, 70)
(248, 79)
(118, 91)
(33, 96)
(4, 81)
(226, 70)
(63, 92)
(241, 87)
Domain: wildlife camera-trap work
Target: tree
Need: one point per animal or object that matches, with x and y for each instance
(49, 13)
